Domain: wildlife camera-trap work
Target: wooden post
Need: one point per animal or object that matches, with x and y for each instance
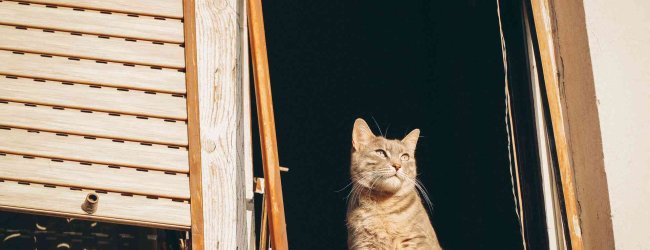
(219, 126)
(196, 200)
(550, 68)
(273, 194)
(568, 77)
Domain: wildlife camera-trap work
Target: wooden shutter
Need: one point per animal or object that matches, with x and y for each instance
(93, 100)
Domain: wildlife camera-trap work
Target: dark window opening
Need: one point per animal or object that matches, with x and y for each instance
(433, 65)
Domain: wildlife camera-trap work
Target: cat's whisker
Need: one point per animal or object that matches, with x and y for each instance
(352, 197)
(356, 187)
(351, 192)
(378, 127)
(422, 185)
(426, 199)
(346, 186)
(372, 185)
(419, 188)
(386, 131)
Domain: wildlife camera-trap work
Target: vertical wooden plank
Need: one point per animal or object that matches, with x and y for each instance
(549, 63)
(194, 143)
(218, 45)
(265, 117)
(247, 133)
(566, 63)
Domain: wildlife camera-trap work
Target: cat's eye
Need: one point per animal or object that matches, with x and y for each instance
(381, 153)
(405, 157)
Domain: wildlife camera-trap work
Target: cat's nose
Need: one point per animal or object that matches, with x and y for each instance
(397, 166)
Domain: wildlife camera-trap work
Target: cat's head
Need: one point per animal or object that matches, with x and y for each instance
(381, 164)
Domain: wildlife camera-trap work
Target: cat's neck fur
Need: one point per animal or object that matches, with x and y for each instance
(386, 203)
(390, 221)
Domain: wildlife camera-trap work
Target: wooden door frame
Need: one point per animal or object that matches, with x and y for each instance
(218, 97)
(568, 76)
(221, 157)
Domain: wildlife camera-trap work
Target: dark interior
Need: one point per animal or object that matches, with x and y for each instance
(433, 65)
(21, 231)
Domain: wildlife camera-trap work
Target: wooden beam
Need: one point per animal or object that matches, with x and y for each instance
(194, 130)
(568, 77)
(550, 67)
(266, 120)
(217, 106)
(247, 149)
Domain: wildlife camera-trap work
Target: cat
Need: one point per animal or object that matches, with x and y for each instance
(384, 208)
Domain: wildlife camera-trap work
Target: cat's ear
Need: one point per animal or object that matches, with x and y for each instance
(411, 140)
(361, 134)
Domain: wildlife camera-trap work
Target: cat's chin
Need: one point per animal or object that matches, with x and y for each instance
(390, 185)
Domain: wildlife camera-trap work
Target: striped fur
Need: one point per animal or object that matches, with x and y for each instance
(385, 210)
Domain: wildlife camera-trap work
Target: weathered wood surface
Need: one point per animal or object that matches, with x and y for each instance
(91, 72)
(97, 124)
(103, 151)
(82, 96)
(219, 46)
(92, 99)
(91, 47)
(91, 22)
(271, 163)
(247, 149)
(112, 207)
(568, 77)
(162, 8)
(95, 176)
(193, 121)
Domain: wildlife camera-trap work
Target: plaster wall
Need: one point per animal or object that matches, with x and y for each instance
(619, 41)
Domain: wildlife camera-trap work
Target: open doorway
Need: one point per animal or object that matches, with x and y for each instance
(433, 65)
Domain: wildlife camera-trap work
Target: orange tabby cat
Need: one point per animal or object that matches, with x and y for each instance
(385, 210)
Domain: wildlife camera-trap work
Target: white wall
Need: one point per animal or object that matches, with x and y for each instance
(619, 41)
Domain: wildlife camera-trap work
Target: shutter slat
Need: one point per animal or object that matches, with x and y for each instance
(91, 22)
(103, 151)
(92, 47)
(137, 210)
(95, 176)
(93, 98)
(91, 72)
(163, 8)
(97, 124)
